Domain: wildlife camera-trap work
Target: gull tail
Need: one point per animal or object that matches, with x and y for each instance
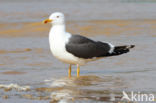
(118, 50)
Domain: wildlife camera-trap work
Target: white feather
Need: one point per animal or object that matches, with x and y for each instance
(57, 39)
(111, 48)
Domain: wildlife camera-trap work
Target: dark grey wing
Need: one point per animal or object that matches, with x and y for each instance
(83, 47)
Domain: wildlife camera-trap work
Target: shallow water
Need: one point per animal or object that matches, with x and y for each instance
(30, 74)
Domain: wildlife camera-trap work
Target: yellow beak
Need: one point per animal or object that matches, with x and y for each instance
(47, 21)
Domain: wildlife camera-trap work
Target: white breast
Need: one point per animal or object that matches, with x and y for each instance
(57, 46)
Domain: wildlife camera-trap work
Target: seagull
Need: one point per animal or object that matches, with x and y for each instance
(77, 49)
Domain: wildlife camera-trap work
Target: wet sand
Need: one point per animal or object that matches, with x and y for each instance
(88, 28)
(29, 62)
(30, 74)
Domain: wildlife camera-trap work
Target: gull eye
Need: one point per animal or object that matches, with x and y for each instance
(57, 16)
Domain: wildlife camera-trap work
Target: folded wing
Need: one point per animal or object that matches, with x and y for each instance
(83, 47)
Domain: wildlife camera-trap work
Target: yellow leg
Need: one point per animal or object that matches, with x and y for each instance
(78, 70)
(69, 71)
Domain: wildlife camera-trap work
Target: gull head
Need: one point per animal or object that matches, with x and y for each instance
(56, 18)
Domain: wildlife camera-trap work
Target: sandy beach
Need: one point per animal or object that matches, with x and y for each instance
(30, 74)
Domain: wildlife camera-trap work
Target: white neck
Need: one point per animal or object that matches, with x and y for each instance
(58, 35)
(57, 30)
